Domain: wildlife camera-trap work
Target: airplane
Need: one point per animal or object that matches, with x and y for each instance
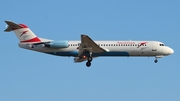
(87, 49)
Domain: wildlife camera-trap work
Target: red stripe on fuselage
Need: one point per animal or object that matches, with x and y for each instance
(36, 39)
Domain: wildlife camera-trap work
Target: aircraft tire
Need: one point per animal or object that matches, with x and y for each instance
(155, 61)
(88, 64)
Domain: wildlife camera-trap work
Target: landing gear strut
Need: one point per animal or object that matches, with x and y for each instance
(89, 59)
(88, 63)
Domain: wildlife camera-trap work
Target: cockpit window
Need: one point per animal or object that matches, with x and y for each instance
(161, 45)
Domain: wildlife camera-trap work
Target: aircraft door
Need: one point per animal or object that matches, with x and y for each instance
(154, 47)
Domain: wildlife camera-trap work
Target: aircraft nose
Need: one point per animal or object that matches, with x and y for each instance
(170, 51)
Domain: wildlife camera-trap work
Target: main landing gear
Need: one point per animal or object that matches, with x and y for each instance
(88, 63)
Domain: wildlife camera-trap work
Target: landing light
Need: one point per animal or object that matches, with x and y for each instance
(84, 57)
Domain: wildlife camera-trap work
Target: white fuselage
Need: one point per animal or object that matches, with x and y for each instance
(113, 48)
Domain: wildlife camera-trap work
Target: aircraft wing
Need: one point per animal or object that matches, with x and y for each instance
(87, 44)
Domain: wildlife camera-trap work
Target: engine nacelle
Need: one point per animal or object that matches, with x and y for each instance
(35, 46)
(57, 44)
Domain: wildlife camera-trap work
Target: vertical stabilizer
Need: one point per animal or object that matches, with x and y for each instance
(22, 31)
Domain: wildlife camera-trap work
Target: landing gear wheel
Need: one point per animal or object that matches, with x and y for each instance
(89, 59)
(88, 64)
(155, 61)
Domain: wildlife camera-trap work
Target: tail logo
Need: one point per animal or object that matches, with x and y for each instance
(24, 32)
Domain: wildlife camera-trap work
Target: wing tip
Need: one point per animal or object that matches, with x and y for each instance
(84, 35)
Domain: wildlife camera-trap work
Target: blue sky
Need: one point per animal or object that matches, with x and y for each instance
(31, 76)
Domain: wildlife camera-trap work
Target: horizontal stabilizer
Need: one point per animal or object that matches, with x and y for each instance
(12, 26)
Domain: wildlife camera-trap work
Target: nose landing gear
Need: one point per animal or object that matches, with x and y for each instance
(158, 56)
(155, 60)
